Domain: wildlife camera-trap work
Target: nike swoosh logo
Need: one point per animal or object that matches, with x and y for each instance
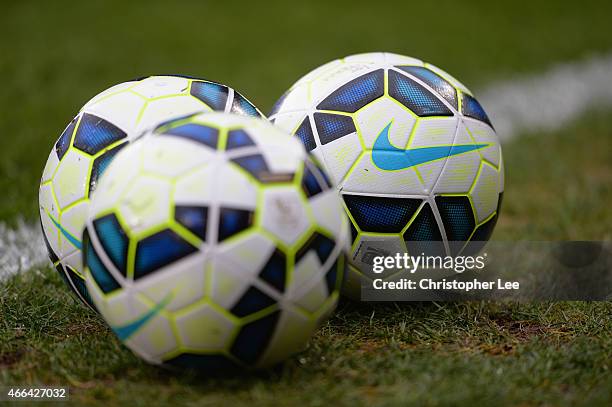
(125, 331)
(390, 158)
(75, 242)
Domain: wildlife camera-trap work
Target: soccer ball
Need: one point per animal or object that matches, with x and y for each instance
(92, 139)
(215, 241)
(412, 152)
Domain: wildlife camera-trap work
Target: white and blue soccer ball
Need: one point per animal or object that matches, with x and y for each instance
(413, 154)
(215, 241)
(98, 132)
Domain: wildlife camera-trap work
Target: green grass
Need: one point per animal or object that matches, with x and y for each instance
(559, 186)
(56, 55)
(473, 353)
(425, 354)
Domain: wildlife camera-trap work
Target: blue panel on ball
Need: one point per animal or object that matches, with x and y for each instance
(99, 272)
(159, 128)
(335, 275)
(322, 246)
(237, 139)
(483, 232)
(333, 126)
(243, 107)
(254, 337)
(193, 218)
(253, 300)
(201, 134)
(354, 232)
(381, 214)
(434, 81)
(457, 217)
(481, 235)
(81, 288)
(424, 228)
(113, 239)
(275, 270)
(415, 97)
(232, 221)
(159, 250)
(310, 184)
(94, 134)
(63, 143)
(355, 94)
(212, 94)
(471, 108)
(254, 164)
(100, 164)
(304, 133)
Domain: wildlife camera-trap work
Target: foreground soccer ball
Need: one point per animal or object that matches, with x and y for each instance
(91, 140)
(413, 154)
(215, 241)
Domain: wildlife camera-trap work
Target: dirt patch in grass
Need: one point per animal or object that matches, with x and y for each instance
(367, 346)
(85, 327)
(519, 332)
(10, 358)
(522, 331)
(498, 349)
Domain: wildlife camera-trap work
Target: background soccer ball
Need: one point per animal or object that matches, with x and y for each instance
(93, 138)
(215, 241)
(413, 154)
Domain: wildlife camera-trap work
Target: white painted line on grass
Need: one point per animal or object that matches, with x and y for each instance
(549, 100)
(541, 102)
(21, 248)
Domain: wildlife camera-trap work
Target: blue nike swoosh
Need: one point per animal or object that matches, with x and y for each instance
(388, 157)
(75, 242)
(125, 331)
